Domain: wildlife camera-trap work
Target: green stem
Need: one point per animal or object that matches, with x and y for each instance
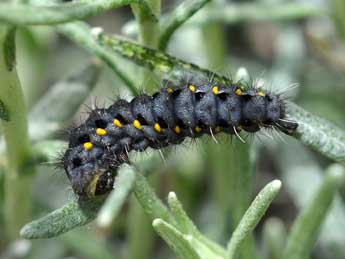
(15, 131)
(154, 60)
(338, 8)
(48, 14)
(152, 205)
(148, 31)
(306, 227)
(236, 13)
(81, 34)
(252, 217)
(177, 18)
(148, 27)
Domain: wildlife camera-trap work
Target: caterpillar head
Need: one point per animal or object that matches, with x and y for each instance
(87, 178)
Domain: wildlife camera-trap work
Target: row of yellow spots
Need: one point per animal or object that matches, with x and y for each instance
(136, 123)
(239, 92)
(215, 90)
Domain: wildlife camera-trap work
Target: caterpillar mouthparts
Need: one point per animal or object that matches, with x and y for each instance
(193, 108)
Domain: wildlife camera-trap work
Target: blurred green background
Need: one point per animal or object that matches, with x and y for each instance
(280, 43)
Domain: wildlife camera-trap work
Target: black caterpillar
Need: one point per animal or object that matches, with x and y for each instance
(195, 107)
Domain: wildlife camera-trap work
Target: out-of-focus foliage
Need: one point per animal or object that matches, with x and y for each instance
(63, 69)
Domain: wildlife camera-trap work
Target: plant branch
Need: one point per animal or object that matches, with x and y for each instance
(177, 18)
(15, 130)
(55, 13)
(81, 34)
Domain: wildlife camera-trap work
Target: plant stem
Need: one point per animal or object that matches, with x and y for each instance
(338, 8)
(15, 130)
(48, 14)
(152, 205)
(148, 27)
(81, 34)
(149, 31)
(177, 18)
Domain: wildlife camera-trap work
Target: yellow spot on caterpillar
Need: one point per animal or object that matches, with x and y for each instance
(198, 129)
(191, 88)
(157, 127)
(101, 132)
(117, 123)
(177, 130)
(238, 91)
(137, 124)
(170, 90)
(217, 129)
(88, 145)
(215, 90)
(261, 93)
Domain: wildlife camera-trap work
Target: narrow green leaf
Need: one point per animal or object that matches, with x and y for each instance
(302, 175)
(236, 13)
(19, 156)
(122, 187)
(177, 241)
(55, 13)
(73, 214)
(61, 102)
(154, 60)
(307, 225)
(318, 133)
(177, 18)
(152, 205)
(182, 220)
(81, 34)
(186, 225)
(338, 12)
(78, 213)
(252, 216)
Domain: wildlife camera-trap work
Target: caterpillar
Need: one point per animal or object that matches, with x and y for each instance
(190, 108)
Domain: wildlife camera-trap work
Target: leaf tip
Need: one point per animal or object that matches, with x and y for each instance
(26, 232)
(276, 184)
(172, 196)
(157, 222)
(337, 173)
